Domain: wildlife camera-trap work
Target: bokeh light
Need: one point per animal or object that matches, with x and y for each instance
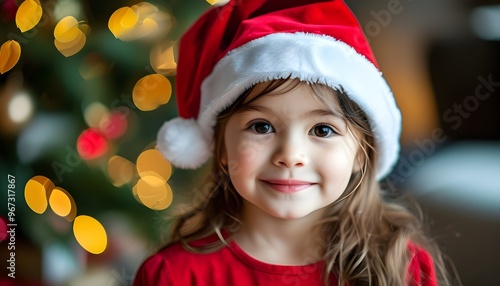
(122, 21)
(91, 144)
(37, 192)
(153, 192)
(152, 189)
(20, 107)
(485, 22)
(141, 21)
(69, 38)
(93, 113)
(90, 234)
(8, 10)
(113, 125)
(151, 91)
(10, 52)
(67, 30)
(62, 203)
(162, 59)
(3, 228)
(71, 48)
(120, 170)
(152, 163)
(63, 8)
(28, 15)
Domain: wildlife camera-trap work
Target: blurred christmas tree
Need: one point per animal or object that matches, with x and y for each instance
(85, 86)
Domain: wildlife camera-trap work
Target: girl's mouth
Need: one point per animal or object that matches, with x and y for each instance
(287, 186)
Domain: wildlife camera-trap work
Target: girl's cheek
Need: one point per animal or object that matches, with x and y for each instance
(252, 145)
(247, 151)
(245, 156)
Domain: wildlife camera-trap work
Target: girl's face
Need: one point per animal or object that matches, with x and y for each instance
(288, 154)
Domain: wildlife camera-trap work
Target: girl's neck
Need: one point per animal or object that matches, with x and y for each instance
(280, 241)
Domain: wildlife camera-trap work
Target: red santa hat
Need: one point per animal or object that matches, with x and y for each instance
(235, 46)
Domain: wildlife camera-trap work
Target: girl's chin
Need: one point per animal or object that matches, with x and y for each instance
(292, 215)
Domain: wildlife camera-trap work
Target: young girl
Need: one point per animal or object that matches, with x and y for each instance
(288, 98)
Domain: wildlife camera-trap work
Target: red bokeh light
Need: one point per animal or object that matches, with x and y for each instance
(3, 228)
(91, 144)
(113, 125)
(9, 10)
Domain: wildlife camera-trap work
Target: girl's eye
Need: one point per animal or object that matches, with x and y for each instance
(322, 130)
(261, 127)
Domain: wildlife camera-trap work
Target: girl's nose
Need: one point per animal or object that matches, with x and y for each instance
(291, 152)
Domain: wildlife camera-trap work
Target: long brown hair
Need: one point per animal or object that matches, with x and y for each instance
(365, 235)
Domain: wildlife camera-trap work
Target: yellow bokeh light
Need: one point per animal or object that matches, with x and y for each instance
(120, 170)
(122, 21)
(152, 161)
(93, 113)
(151, 91)
(67, 30)
(73, 47)
(69, 39)
(61, 202)
(154, 25)
(162, 59)
(153, 192)
(90, 234)
(150, 25)
(69, 45)
(10, 52)
(36, 193)
(129, 19)
(145, 8)
(28, 15)
(141, 21)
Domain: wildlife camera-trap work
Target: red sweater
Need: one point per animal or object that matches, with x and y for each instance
(174, 265)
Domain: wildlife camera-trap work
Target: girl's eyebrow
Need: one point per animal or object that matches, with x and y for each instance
(253, 107)
(325, 112)
(265, 109)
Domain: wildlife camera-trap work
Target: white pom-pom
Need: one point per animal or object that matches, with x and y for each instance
(182, 143)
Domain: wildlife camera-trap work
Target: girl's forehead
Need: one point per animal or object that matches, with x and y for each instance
(318, 94)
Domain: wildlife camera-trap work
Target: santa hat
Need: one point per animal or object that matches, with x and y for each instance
(233, 47)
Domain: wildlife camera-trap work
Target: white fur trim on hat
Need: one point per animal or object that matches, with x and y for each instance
(182, 143)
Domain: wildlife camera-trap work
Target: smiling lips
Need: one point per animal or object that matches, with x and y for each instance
(288, 186)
